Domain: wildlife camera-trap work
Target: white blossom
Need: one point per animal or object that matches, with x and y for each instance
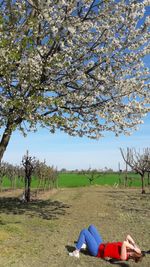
(69, 65)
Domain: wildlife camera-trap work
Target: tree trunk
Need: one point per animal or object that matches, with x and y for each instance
(143, 186)
(27, 188)
(5, 139)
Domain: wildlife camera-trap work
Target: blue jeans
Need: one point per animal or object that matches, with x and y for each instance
(91, 238)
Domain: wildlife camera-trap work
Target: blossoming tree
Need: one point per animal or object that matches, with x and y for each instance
(72, 65)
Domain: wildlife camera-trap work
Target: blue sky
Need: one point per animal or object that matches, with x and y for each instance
(64, 151)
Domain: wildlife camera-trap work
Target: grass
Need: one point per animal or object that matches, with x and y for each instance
(18, 225)
(43, 232)
(78, 180)
(18, 183)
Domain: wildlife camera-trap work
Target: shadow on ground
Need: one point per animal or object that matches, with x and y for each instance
(45, 209)
(119, 263)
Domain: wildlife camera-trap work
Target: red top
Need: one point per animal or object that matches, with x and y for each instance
(110, 250)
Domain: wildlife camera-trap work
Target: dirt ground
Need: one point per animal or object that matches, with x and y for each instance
(42, 233)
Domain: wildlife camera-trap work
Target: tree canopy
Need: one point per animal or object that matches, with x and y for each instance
(73, 65)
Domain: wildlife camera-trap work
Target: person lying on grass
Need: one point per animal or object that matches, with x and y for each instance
(91, 239)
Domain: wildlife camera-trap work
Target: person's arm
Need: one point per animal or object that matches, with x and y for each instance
(131, 241)
(126, 245)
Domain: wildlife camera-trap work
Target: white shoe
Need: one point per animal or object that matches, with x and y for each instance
(74, 254)
(83, 246)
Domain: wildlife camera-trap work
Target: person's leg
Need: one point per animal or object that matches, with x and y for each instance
(94, 232)
(87, 238)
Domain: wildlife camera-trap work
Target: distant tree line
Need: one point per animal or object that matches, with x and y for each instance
(82, 171)
(30, 167)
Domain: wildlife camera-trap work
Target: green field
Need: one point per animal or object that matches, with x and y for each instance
(18, 183)
(78, 180)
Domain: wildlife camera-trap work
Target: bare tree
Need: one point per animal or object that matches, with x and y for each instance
(91, 175)
(28, 163)
(46, 175)
(139, 162)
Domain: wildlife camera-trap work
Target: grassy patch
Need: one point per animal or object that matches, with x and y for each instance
(77, 180)
(41, 233)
